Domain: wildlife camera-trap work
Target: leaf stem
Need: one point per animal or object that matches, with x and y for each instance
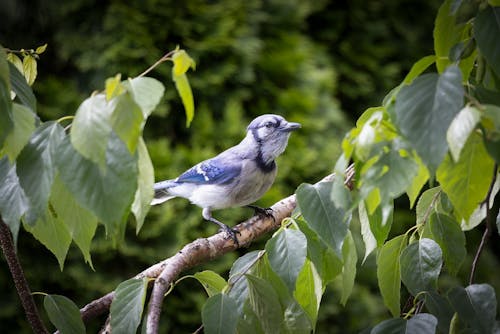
(161, 60)
(22, 287)
(487, 230)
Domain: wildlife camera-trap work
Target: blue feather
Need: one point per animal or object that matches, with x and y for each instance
(210, 172)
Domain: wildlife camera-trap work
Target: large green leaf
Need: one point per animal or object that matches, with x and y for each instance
(322, 216)
(36, 167)
(146, 92)
(24, 125)
(460, 129)
(350, 259)
(447, 33)
(81, 223)
(106, 193)
(211, 281)
(466, 181)
(51, 231)
(13, 201)
(421, 264)
(450, 238)
(441, 308)
(127, 121)
(237, 282)
(486, 31)
(309, 290)
(23, 91)
(265, 304)
(91, 128)
(64, 314)
(375, 227)
(425, 109)
(145, 181)
(476, 305)
(422, 323)
(128, 304)
(218, 315)
(389, 273)
(287, 252)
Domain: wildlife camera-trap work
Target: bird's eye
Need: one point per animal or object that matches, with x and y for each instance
(269, 125)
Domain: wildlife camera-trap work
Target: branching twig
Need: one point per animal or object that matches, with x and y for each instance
(487, 230)
(20, 281)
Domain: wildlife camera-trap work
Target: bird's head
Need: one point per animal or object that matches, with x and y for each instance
(271, 133)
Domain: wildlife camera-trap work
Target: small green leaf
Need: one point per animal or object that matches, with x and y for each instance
(389, 272)
(211, 281)
(286, 252)
(23, 91)
(24, 125)
(145, 180)
(29, 69)
(476, 305)
(265, 304)
(421, 264)
(322, 216)
(16, 61)
(450, 238)
(218, 315)
(41, 49)
(146, 92)
(128, 304)
(427, 204)
(36, 167)
(460, 129)
(91, 128)
(350, 259)
(464, 181)
(182, 62)
(64, 314)
(486, 28)
(184, 89)
(309, 290)
(418, 68)
(424, 111)
(113, 87)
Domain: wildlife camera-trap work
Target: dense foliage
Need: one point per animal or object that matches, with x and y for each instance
(423, 132)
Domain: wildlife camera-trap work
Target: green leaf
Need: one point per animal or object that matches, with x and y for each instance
(421, 264)
(486, 29)
(389, 273)
(184, 89)
(418, 68)
(295, 319)
(218, 315)
(146, 92)
(441, 308)
(29, 69)
(464, 181)
(350, 259)
(265, 304)
(23, 91)
(446, 34)
(424, 111)
(418, 181)
(41, 49)
(309, 290)
(16, 61)
(182, 62)
(36, 167)
(427, 204)
(287, 252)
(145, 192)
(322, 216)
(211, 281)
(6, 122)
(24, 125)
(249, 323)
(450, 238)
(460, 129)
(422, 323)
(128, 304)
(51, 231)
(237, 282)
(375, 227)
(13, 201)
(64, 314)
(127, 121)
(81, 223)
(476, 305)
(91, 128)
(106, 193)
(113, 87)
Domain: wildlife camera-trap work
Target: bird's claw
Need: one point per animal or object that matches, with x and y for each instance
(263, 212)
(231, 233)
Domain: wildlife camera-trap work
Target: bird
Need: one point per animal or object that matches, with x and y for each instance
(238, 176)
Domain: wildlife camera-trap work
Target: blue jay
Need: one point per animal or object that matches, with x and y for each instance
(236, 177)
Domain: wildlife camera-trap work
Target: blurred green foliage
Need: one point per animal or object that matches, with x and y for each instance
(320, 63)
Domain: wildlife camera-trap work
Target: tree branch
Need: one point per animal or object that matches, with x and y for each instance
(22, 287)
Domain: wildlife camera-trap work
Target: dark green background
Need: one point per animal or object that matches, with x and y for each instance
(321, 63)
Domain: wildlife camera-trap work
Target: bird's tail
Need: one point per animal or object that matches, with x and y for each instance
(161, 192)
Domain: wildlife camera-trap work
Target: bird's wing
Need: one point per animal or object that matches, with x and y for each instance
(213, 171)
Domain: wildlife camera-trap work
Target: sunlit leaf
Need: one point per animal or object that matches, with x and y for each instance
(16, 61)
(211, 281)
(41, 49)
(29, 69)
(447, 33)
(218, 315)
(309, 290)
(127, 121)
(23, 91)
(24, 125)
(145, 192)
(184, 89)
(421, 264)
(182, 62)
(460, 129)
(113, 87)
(427, 204)
(146, 92)
(375, 227)
(350, 259)
(128, 304)
(64, 314)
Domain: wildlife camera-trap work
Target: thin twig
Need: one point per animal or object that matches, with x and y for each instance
(22, 287)
(161, 60)
(487, 230)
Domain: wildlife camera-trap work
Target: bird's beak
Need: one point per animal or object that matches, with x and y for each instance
(290, 126)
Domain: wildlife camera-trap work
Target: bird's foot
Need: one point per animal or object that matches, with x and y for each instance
(231, 233)
(262, 212)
